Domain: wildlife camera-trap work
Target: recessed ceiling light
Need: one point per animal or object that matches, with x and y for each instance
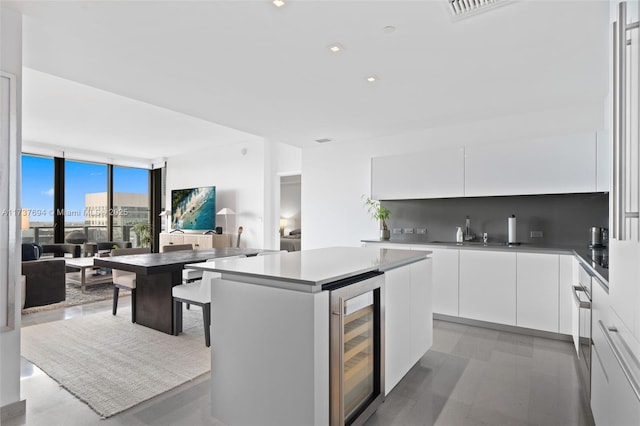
(335, 47)
(278, 3)
(323, 140)
(388, 29)
(372, 78)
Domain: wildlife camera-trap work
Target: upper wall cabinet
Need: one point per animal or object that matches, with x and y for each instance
(426, 174)
(553, 165)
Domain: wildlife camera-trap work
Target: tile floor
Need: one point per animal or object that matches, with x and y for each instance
(478, 376)
(471, 376)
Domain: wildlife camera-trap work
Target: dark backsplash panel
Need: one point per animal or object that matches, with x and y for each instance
(564, 219)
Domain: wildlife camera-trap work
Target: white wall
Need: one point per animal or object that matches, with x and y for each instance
(247, 183)
(11, 61)
(335, 176)
(239, 181)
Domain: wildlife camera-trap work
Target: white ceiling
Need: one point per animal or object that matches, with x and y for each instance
(266, 71)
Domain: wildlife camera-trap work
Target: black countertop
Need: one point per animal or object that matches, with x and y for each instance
(153, 263)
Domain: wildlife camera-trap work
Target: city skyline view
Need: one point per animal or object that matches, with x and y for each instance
(80, 179)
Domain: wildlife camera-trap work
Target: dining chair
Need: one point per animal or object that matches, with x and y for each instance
(196, 293)
(125, 280)
(176, 247)
(188, 275)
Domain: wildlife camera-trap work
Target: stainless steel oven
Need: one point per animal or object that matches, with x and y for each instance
(356, 348)
(582, 327)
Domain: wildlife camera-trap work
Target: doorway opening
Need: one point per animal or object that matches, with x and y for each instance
(290, 212)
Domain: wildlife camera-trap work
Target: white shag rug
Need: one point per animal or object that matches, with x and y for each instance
(112, 364)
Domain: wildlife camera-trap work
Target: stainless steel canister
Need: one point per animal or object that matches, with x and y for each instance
(595, 236)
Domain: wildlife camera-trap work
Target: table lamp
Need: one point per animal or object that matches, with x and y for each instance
(167, 222)
(226, 212)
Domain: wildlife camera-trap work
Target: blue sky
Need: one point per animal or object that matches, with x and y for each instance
(80, 178)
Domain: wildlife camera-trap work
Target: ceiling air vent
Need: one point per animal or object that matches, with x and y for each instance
(324, 140)
(463, 8)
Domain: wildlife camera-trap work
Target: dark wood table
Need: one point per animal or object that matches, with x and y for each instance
(157, 273)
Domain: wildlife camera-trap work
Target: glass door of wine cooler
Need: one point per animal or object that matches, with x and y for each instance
(358, 355)
(357, 341)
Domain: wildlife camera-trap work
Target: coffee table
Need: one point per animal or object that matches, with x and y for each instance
(84, 278)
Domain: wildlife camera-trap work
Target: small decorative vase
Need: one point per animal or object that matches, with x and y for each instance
(385, 234)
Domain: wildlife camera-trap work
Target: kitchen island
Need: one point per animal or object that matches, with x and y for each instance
(270, 329)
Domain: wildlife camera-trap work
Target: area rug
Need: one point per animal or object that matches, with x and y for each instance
(75, 296)
(112, 364)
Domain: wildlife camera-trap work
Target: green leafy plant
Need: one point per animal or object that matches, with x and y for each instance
(115, 247)
(377, 211)
(143, 232)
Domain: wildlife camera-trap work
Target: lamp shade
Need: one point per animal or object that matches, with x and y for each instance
(226, 211)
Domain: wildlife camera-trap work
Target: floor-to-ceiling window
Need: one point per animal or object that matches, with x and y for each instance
(130, 203)
(85, 200)
(101, 201)
(37, 199)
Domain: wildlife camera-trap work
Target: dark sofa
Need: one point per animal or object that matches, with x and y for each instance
(45, 278)
(62, 250)
(45, 281)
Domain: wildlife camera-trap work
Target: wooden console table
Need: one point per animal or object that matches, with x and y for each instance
(157, 273)
(198, 241)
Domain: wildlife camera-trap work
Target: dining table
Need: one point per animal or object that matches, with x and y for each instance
(157, 274)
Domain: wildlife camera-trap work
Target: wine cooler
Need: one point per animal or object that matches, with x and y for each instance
(356, 348)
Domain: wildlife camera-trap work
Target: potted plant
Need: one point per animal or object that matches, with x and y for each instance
(381, 213)
(143, 232)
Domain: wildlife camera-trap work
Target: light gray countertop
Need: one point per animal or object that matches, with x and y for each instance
(312, 268)
(585, 255)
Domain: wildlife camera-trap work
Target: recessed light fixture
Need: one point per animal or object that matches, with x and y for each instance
(372, 78)
(388, 29)
(323, 140)
(335, 47)
(278, 3)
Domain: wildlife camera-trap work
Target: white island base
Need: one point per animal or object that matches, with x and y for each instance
(270, 345)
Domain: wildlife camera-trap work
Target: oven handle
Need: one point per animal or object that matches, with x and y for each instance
(580, 303)
(618, 354)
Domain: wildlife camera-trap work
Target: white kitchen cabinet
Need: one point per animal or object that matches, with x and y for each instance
(600, 306)
(397, 326)
(575, 325)
(421, 310)
(488, 286)
(624, 405)
(613, 400)
(624, 244)
(601, 355)
(537, 291)
(624, 291)
(408, 319)
(445, 281)
(565, 293)
(426, 174)
(562, 164)
(599, 389)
